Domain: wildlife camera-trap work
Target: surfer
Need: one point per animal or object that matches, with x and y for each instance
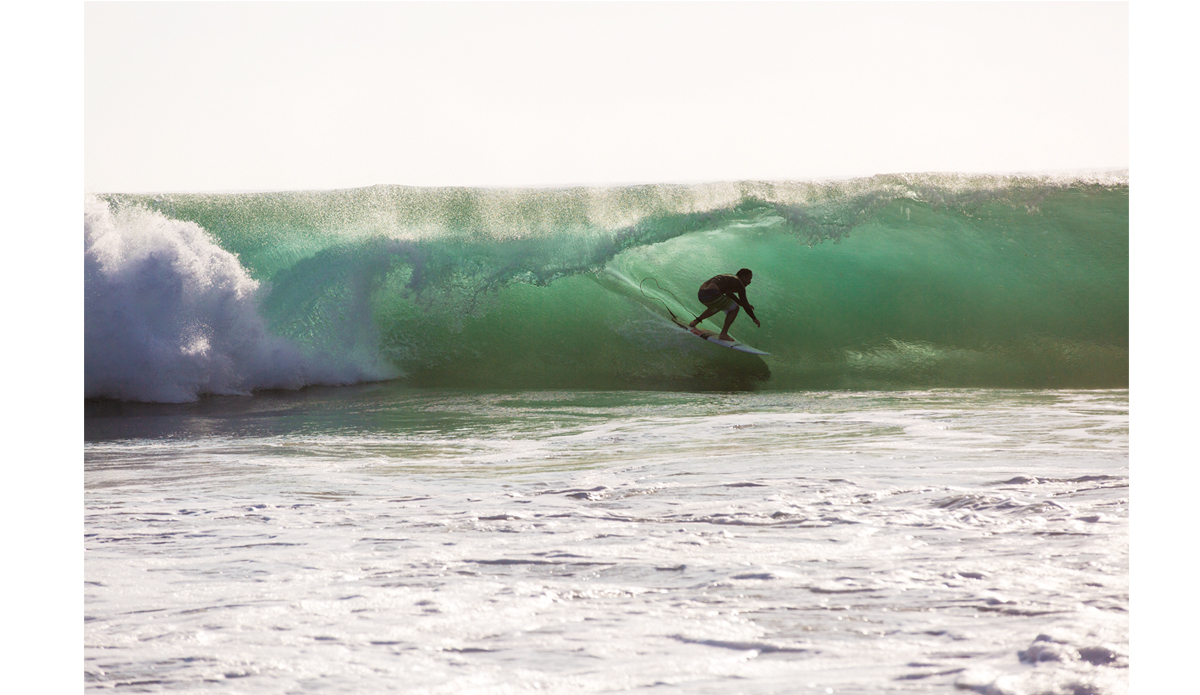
(725, 293)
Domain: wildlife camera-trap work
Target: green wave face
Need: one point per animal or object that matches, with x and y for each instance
(889, 282)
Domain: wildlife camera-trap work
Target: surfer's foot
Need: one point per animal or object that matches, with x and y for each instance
(725, 337)
(693, 323)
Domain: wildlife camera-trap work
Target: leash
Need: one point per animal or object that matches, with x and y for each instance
(660, 288)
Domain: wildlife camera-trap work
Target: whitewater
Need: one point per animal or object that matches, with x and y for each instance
(447, 440)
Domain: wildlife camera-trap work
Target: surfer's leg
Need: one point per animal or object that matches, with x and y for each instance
(729, 317)
(707, 312)
(713, 301)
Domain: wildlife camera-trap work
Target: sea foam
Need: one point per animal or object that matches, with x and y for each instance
(170, 316)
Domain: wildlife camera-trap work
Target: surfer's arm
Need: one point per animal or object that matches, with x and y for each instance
(741, 301)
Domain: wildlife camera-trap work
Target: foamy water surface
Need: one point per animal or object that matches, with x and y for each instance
(382, 539)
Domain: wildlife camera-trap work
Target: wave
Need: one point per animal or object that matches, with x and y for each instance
(169, 316)
(885, 282)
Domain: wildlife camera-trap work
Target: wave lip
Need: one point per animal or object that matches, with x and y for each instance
(170, 316)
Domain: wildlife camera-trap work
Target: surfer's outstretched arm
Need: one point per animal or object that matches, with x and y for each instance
(741, 301)
(750, 313)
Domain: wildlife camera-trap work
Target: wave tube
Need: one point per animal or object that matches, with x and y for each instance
(888, 282)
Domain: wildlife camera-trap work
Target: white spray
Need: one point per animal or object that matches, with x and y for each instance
(170, 316)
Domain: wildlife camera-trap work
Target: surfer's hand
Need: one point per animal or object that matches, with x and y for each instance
(757, 323)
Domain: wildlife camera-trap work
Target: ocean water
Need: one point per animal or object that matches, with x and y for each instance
(446, 441)
(887, 282)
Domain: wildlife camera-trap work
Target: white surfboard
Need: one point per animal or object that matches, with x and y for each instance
(711, 336)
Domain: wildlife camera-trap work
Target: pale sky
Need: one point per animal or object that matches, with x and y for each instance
(282, 95)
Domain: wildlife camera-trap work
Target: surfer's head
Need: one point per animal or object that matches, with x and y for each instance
(745, 275)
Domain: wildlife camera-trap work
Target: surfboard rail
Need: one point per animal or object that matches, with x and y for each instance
(711, 336)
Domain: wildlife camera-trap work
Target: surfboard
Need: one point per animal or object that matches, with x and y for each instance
(711, 336)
